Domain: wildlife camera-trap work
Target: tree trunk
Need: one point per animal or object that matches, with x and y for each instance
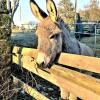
(5, 52)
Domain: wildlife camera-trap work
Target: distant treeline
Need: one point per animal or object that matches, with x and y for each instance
(91, 11)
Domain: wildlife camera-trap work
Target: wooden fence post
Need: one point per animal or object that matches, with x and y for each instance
(5, 51)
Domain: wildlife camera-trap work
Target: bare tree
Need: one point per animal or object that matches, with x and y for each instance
(12, 6)
(94, 10)
(66, 10)
(91, 12)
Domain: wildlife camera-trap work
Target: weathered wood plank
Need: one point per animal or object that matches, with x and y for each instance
(32, 92)
(79, 91)
(27, 63)
(76, 61)
(67, 79)
(83, 86)
(81, 62)
(25, 51)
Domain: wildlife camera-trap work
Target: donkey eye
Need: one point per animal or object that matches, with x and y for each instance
(54, 36)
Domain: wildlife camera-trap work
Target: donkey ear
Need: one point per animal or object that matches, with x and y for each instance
(52, 10)
(38, 12)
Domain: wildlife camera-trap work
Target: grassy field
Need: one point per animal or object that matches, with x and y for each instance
(29, 39)
(25, 39)
(90, 41)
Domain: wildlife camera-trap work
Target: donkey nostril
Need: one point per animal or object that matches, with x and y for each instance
(40, 64)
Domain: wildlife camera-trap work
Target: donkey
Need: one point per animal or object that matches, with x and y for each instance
(53, 37)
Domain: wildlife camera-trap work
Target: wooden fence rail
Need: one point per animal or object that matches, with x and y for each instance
(88, 87)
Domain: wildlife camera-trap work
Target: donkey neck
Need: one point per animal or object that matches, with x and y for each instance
(65, 31)
(66, 38)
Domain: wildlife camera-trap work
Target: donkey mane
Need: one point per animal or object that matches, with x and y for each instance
(67, 39)
(72, 45)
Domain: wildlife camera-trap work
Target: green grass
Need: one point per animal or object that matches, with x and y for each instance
(29, 39)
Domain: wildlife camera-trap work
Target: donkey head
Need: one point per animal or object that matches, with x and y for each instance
(48, 32)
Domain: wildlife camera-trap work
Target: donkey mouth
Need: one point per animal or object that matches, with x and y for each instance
(41, 65)
(44, 65)
(46, 62)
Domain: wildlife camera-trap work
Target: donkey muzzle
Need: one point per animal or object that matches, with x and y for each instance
(42, 60)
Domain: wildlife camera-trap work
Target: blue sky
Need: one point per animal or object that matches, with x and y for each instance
(27, 16)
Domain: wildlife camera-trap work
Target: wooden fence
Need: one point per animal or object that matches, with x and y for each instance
(83, 86)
